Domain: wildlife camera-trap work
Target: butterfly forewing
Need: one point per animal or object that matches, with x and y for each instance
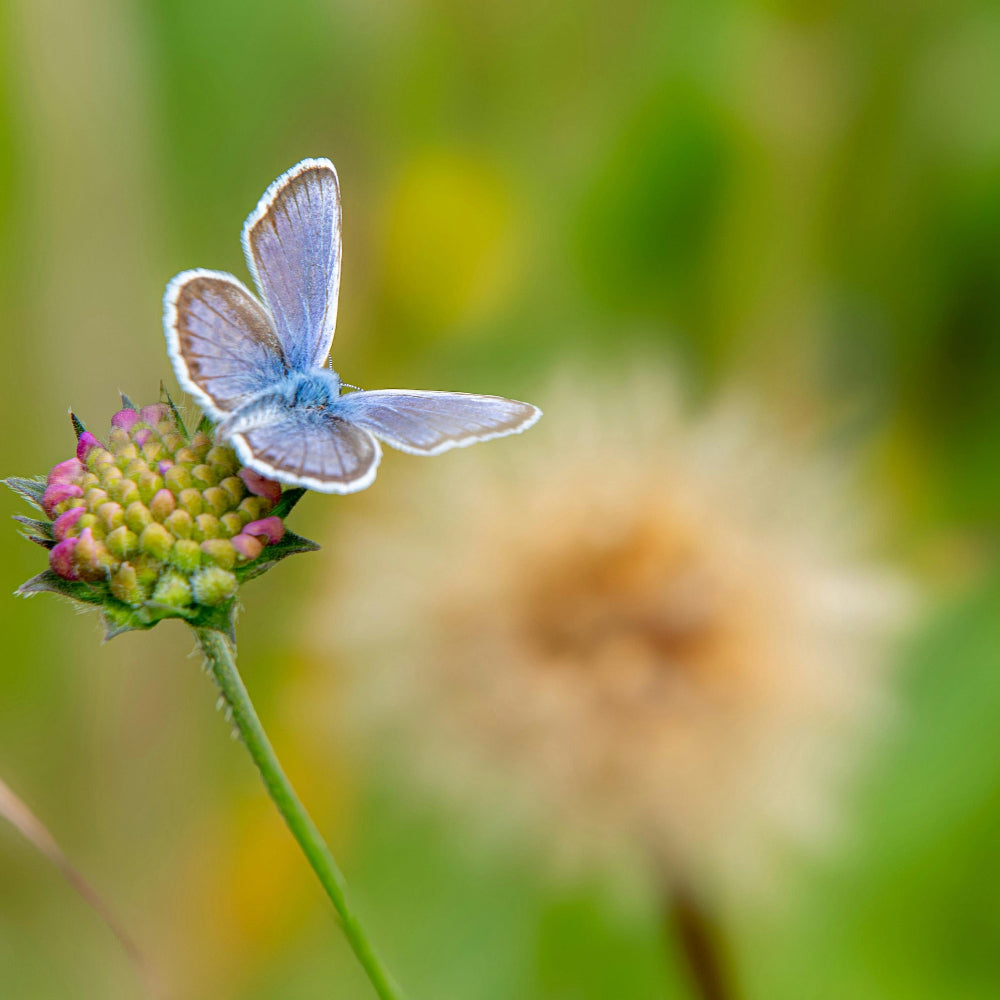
(428, 423)
(220, 339)
(292, 246)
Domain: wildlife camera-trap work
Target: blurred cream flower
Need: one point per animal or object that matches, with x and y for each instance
(633, 626)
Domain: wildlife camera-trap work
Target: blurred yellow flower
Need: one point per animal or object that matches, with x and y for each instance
(448, 240)
(637, 628)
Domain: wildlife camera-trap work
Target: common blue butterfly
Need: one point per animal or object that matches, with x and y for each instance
(257, 365)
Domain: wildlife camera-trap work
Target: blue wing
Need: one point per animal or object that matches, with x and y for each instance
(292, 246)
(303, 446)
(220, 340)
(428, 423)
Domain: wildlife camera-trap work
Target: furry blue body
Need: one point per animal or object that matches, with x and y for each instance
(313, 395)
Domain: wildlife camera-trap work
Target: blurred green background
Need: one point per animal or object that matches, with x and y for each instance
(803, 195)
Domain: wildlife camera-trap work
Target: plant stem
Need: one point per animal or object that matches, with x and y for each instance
(222, 665)
(701, 945)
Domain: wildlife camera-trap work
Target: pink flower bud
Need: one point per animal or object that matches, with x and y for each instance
(57, 493)
(268, 529)
(61, 559)
(125, 419)
(246, 545)
(62, 524)
(91, 556)
(260, 486)
(65, 472)
(154, 414)
(141, 436)
(163, 465)
(162, 505)
(85, 442)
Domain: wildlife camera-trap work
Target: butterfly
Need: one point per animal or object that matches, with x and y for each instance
(257, 365)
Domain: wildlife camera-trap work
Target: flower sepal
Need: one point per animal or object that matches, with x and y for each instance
(37, 531)
(118, 617)
(30, 490)
(290, 545)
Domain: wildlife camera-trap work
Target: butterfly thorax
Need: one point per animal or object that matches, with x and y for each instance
(300, 392)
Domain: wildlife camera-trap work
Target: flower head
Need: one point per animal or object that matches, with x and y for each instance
(639, 628)
(155, 522)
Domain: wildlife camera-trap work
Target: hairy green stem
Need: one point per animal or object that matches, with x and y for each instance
(222, 665)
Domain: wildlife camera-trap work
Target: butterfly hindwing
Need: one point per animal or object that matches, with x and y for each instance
(307, 447)
(428, 423)
(292, 246)
(220, 339)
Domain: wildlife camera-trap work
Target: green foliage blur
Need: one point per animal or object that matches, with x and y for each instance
(803, 196)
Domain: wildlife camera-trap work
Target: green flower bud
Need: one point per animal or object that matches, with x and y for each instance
(213, 585)
(255, 508)
(234, 488)
(223, 461)
(201, 443)
(172, 442)
(93, 560)
(180, 524)
(152, 451)
(137, 516)
(94, 497)
(192, 501)
(111, 515)
(112, 474)
(162, 505)
(217, 500)
(187, 455)
(203, 476)
(118, 438)
(86, 521)
(207, 526)
(172, 589)
(98, 458)
(135, 469)
(178, 478)
(125, 455)
(122, 542)
(147, 569)
(149, 484)
(125, 585)
(218, 552)
(232, 523)
(156, 541)
(186, 555)
(124, 491)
